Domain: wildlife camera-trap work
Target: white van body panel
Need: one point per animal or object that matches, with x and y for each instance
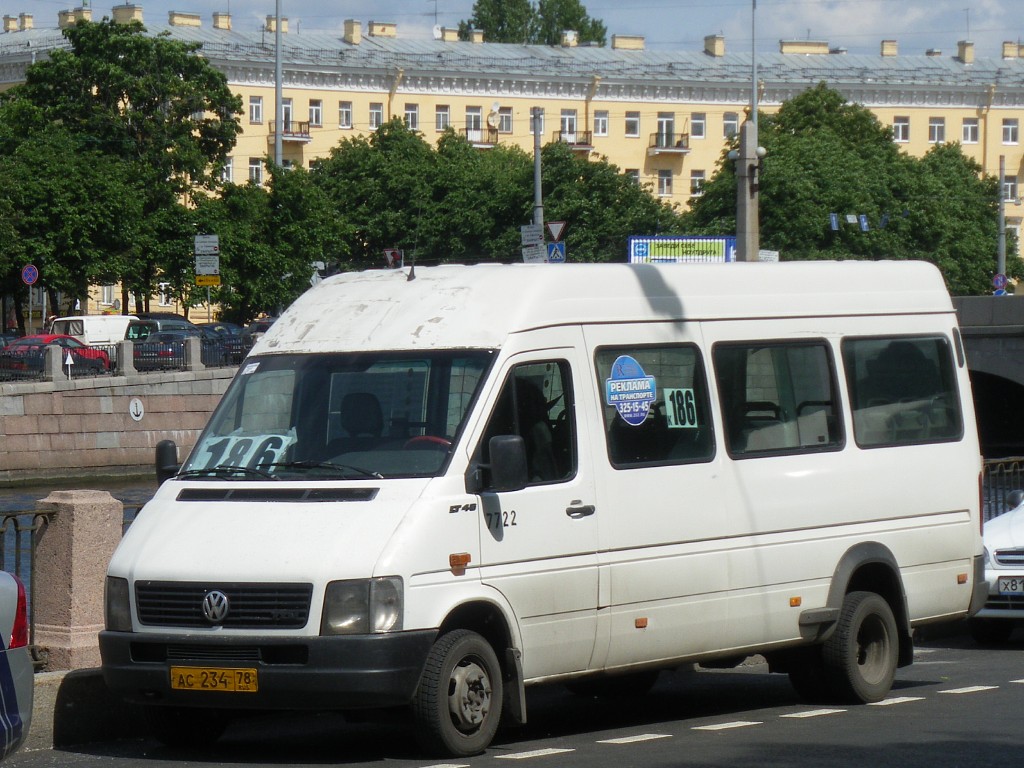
(94, 329)
(614, 563)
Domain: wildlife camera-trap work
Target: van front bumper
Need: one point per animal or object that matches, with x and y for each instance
(346, 672)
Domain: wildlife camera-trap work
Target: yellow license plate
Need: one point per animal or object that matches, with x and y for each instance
(214, 679)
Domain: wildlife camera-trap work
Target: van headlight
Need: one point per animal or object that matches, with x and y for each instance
(362, 606)
(117, 607)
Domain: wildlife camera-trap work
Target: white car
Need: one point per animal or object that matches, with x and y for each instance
(1004, 572)
(16, 673)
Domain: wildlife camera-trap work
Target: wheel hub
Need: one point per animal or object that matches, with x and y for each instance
(469, 695)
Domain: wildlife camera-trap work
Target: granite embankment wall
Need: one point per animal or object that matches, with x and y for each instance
(105, 426)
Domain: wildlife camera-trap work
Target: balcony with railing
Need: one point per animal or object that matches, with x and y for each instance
(294, 131)
(481, 138)
(664, 143)
(577, 140)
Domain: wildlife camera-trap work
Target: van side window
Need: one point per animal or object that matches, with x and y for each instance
(778, 397)
(902, 391)
(655, 405)
(536, 403)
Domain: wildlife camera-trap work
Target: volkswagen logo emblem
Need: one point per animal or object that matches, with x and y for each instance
(215, 606)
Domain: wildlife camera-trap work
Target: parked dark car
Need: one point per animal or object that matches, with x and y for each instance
(24, 357)
(165, 350)
(6, 338)
(255, 329)
(144, 327)
(231, 336)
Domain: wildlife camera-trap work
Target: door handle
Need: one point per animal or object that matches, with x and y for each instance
(577, 510)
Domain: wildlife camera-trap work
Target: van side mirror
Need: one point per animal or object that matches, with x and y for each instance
(166, 460)
(507, 468)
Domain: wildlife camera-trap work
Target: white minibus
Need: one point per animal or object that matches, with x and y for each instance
(436, 487)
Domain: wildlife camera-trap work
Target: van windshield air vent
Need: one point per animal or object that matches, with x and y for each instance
(239, 606)
(278, 494)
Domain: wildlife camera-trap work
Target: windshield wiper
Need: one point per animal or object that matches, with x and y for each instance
(225, 470)
(308, 464)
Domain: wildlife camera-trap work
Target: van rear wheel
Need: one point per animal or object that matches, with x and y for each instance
(458, 703)
(860, 657)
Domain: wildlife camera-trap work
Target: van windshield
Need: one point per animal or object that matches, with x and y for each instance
(340, 416)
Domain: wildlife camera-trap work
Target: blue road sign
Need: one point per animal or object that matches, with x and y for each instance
(29, 274)
(556, 253)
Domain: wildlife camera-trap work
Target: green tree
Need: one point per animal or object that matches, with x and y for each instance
(520, 21)
(826, 156)
(152, 103)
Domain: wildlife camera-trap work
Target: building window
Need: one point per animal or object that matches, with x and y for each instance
(664, 183)
(442, 117)
(633, 174)
(567, 125)
(666, 129)
(632, 125)
(255, 109)
(165, 299)
(601, 123)
(227, 173)
(698, 125)
(730, 124)
(1011, 130)
(474, 123)
(109, 294)
(540, 122)
(1010, 189)
(376, 115)
(344, 114)
(316, 113)
(412, 117)
(901, 129)
(696, 183)
(256, 170)
(286, 114)
(505, 120)
(936, 130)
(970, 131)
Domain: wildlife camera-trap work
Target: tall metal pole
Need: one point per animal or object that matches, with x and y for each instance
(278, 100)
(753, 64)
(1001, 253)
(538, 200)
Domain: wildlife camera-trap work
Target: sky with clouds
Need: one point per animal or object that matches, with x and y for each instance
(857, 25)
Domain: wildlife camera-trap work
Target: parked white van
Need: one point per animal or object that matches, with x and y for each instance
(437, 487)
(93, 329)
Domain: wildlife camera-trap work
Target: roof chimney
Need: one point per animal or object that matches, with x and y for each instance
(628, 42)
(890, 48)
(25, 21)
(271, 25)
(126, 13)
(179, 19)
(965, 51)
(476, 36)
(353, 31)
(570, 38)
(222, 21)
(67, 19)
(383, 29)
(10, 24)
(933, 52)
(714, 45)
(449, 34)
(803, 47)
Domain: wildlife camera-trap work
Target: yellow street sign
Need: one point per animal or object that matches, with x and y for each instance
(207, 279)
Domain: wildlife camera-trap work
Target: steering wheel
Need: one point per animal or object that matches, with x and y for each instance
(428, 441)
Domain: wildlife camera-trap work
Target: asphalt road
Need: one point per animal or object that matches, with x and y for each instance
(958, 705)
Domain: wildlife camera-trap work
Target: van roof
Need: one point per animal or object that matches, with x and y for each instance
(479, 306)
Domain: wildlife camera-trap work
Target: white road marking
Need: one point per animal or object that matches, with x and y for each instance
(1017, 681)
(534, 753)
(726, 726)
(448, 765)
(814, 713)
(895, 700)
(971, 689)
(634, 739)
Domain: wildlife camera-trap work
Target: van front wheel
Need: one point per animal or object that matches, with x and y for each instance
(458, 703)
(860, 657)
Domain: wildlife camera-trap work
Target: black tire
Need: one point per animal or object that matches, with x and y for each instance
(631, 684)
(808, 677)
(185, 727)
(990, 631)
(458, 703)
(861, 656)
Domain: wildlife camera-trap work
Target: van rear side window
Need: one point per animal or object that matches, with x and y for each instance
(655, 405)
(778, 397)
(902, 391)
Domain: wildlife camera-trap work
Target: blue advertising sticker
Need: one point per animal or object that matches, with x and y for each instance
(630, 390)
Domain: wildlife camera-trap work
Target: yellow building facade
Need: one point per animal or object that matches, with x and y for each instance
(663, 117)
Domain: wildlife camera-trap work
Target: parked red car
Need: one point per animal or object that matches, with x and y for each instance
(25, 356)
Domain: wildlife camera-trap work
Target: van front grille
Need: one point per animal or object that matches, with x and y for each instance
(1010, 556)
(249, 606)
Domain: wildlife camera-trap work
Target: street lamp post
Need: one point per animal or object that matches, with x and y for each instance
(748, 161)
